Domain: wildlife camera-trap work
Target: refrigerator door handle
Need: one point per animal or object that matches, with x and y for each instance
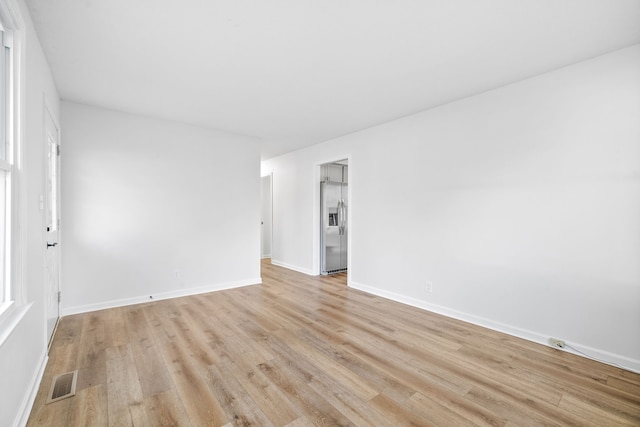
(343, 214)
(344, 208)
(339, 212)
(339, 218)
(344, 218)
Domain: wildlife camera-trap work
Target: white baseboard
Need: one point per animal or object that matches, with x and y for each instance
(27, 403)
(582, 350)
(264, 256)
(159, 296)
(293, 267)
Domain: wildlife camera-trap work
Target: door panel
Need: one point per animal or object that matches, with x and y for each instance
(266, 217)
(51, 208)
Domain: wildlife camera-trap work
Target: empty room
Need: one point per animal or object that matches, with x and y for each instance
(320, 213)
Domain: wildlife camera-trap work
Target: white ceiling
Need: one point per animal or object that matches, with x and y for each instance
(299, 72)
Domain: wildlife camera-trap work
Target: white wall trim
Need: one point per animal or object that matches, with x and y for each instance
(293, 267)
(537, 337)
(160, 296)
(27, 403)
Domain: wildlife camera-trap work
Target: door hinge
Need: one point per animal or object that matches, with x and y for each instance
(59, 296)
(58, 149)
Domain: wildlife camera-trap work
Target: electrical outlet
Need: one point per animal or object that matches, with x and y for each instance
(176, 274)
(428, 287)
(554, 342)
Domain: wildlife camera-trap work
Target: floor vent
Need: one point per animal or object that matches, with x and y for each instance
(63, 386)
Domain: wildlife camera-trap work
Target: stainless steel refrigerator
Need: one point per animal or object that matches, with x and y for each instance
(333, 223)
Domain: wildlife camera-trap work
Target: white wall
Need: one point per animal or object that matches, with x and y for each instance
(521, 205)
(143, 199)
(23, 350)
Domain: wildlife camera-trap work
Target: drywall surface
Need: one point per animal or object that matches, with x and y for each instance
(520, 206)
(153, 209)
(23, 344)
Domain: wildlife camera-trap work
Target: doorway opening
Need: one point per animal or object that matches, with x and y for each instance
(334, 217)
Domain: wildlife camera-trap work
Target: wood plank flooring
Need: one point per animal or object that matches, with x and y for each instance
(309, 351)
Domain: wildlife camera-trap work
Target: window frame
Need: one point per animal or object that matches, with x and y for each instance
(13, 303)
(6, 164)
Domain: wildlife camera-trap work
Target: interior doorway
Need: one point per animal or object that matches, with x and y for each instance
(334, 217)
(266, 216)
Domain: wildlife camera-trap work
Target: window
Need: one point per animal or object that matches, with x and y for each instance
(6, 164)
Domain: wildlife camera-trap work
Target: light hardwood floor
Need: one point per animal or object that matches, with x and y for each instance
(301, 351)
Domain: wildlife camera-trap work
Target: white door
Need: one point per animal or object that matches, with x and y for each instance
(266, 214)
(51, 205)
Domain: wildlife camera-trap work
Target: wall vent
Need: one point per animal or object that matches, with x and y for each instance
(63, 386)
